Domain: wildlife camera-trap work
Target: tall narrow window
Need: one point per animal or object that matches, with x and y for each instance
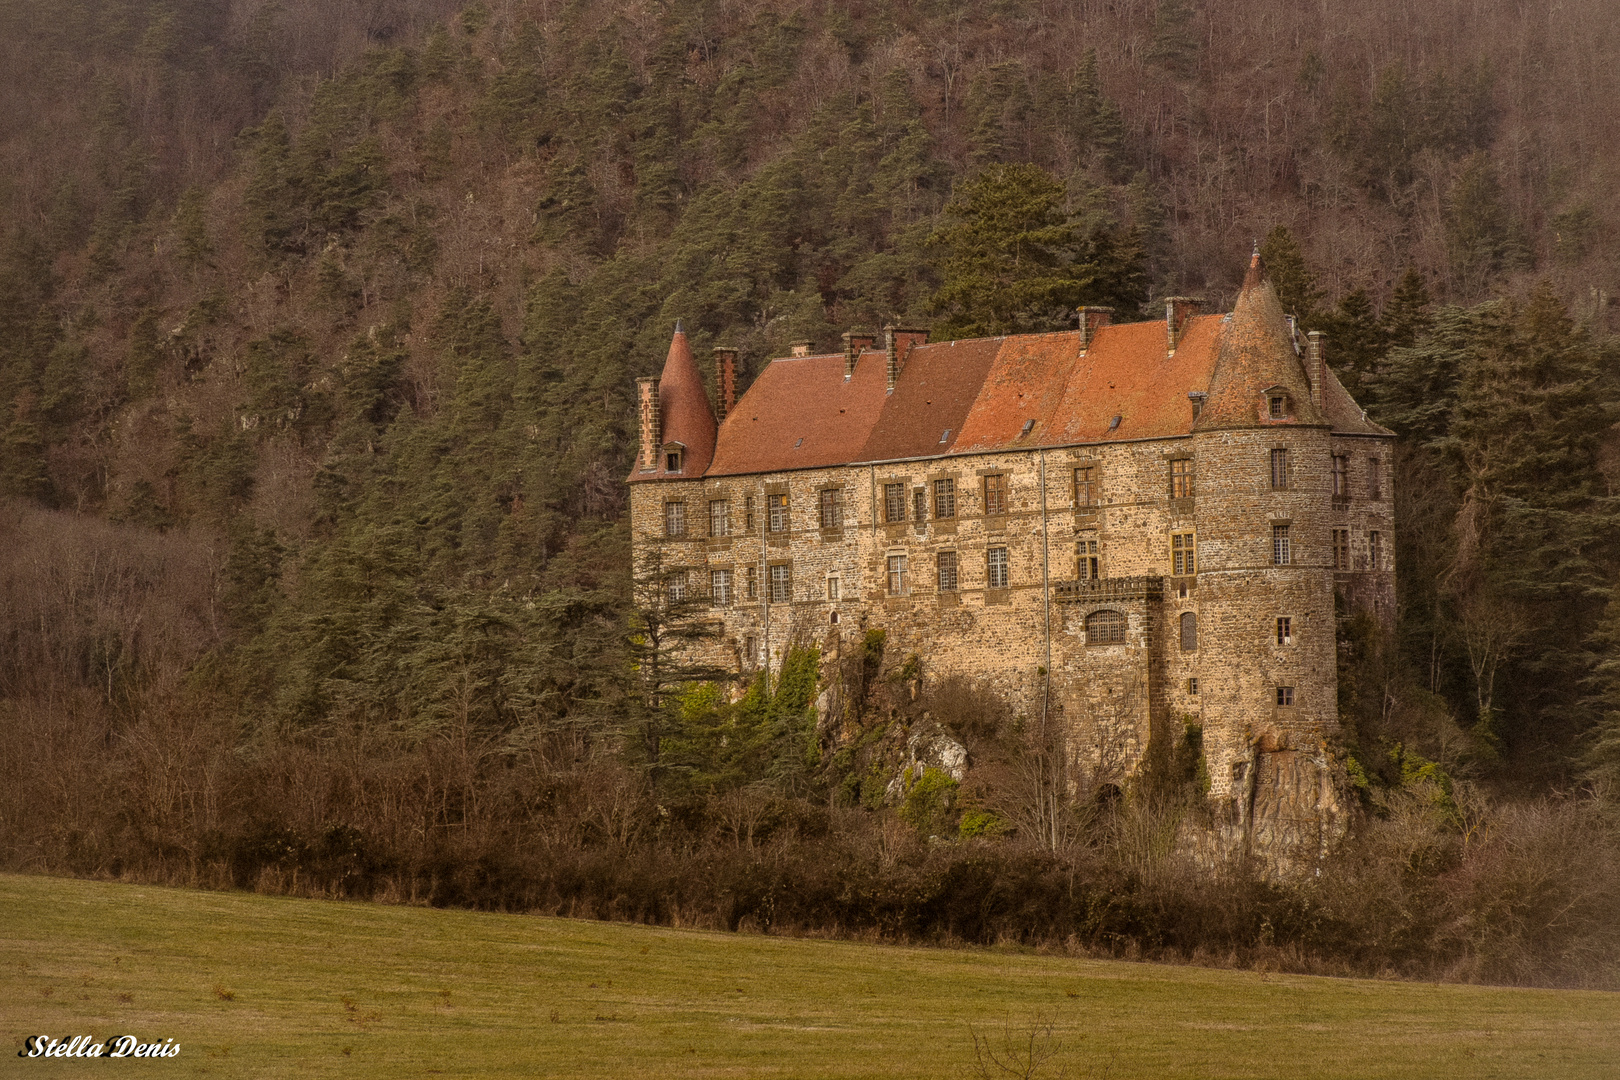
(1090, 568)
(944, 498)
(995, 495)
(832, 508)
(1341, 477)
(748, 515)
(919, 505)
(1183, 554)
(894, 503)
(832, 587)
(1279, 469)
(781, 583)
(1341, 549)
(1085, 485)
(1281, 549)
(750, 650)
(1105, 628)
(1285, 630)
(675, 585)
(752, 579)
(1375, 478)
(1181, 478)
(674, 519)
(1375, 551)
(946, 561)
(672, 461)
(719, 517)
(996, 568)
(776, 507)
(897, 575)
(720, 586)
(1189, 631)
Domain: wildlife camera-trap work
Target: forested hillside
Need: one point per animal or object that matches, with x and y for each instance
(319, 325)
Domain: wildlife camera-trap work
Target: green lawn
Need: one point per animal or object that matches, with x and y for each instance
(265, 986)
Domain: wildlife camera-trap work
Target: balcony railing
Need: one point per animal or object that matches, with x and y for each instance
(1108, 590)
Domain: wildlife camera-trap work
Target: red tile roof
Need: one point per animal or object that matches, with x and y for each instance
(687, 417)
(1257, 355)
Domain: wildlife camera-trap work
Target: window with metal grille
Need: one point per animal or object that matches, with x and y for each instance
(894, 503)
(832, 508)
(897, 575)
(1341, 549)
(1375, 478)
(944, 498)
(781, 583)
(919, 504)
(1279, 470)
(946, 561)
(995, 494)
(1281, 549)
(1375, 550)
(1183, 554)
(1285, 696)
(1181, 478)
(1085, 486)
(719, 517)
(675, 586)
(752, 580)
(748, 515)
(674, 519)
(776, 510)
(1105, 628)
(1341, 476)
(1278, 406)
(720, 586)
(1285, 630)
(1189, 631)
(1090, 568)
(996, 568)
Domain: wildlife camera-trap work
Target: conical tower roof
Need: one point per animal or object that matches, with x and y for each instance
(1256, 357)
(688, 418)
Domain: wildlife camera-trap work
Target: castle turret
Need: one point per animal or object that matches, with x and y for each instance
(678, 428)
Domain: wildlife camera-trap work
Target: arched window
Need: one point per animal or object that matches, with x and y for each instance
(1105, 628)
(1189, 631)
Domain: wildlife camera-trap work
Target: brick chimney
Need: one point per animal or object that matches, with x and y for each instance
(1093, 319)
(725, 381)
(891, 364)
(897, 343)
(799, 348)
(854, 345)
(652, 435)
(1316, 364)
(1177, 310)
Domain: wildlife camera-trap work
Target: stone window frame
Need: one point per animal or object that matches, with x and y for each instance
(750, 650)
(1183, 481)
(1187, 631)
(894, 498)
(895, 570)
(834, 587)
(677, 585)
(949, 492)
(1340, 542)
(1280, 468)
(954, 559)
(1094, 498)
(1088, 558)
(1340, 466)
(749, 507)
(722, 596)
(1286, 696)
(723, 518)
(1001, 478)
(1279, 403)
(751, 583)
(830, 507)
(919, 504)
(675, 518)
(1116, 631)
(779, 524)
(1375, 549)
(674, 457)
(1183, 548)
(1375, 478)
(1284, 631)
(784, 579)
(990, 568)
(1282, 542)
(1192, 686)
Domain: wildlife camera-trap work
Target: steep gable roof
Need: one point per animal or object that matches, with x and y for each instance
(687, 417)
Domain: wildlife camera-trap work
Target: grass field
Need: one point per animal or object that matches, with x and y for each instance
(267, 987)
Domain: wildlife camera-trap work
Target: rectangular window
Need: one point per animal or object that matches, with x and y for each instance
(675, 585)
(1375, 478)
(719, 517)
(1183, 554)
(944, 498)
(1341, 549)
(1090, 564)
(946, 561)
(776, 508)
(919, 505)
(1086, 491)
(1375, 550)
(1341, 476)
(1192, 686)
(1281, 550)
(894, 503)
(674, 519)
(996, 567)
(1279, 406)
(832, 587)
(897, 575)
(748, 515)
(781, 583)
(753, 583)
(1279, 470)
(1181, 478)
(832, 508)
(995, 495)
(720, 586)
(750, 650)
(1285, 696)
(1285, 630)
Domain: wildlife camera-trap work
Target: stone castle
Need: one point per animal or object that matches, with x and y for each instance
(1166, 517)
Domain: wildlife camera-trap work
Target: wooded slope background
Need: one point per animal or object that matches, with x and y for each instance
(319, 325)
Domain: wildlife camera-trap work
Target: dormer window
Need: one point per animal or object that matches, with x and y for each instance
(1278, 405)
(673, 457)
